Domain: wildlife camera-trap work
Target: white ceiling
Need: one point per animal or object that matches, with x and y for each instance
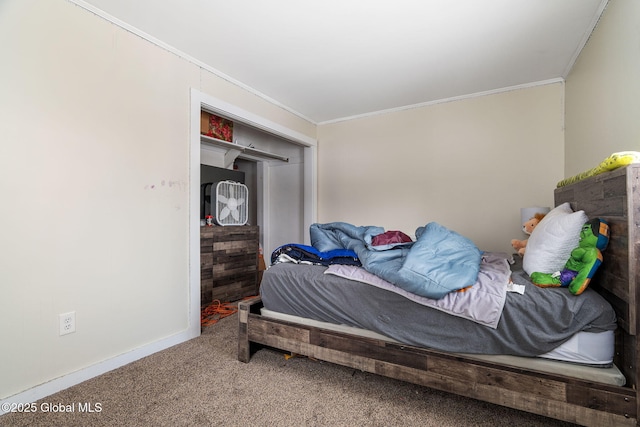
(327, 60)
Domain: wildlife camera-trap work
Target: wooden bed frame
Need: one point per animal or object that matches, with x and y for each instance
(614, 196)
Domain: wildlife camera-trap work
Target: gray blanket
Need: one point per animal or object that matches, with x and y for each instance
(531, 324)
(481, 303)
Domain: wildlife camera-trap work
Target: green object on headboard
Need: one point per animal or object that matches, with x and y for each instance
(614, 161)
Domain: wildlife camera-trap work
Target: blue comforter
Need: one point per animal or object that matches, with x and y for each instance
(438, 262)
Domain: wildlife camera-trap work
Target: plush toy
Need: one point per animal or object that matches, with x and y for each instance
(527, 227)
(584, 260)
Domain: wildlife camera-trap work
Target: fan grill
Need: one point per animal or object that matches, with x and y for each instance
(231, 203)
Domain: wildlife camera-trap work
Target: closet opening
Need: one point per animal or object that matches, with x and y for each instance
(280, 174)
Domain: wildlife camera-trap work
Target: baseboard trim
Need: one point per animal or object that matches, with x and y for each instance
(51, 387)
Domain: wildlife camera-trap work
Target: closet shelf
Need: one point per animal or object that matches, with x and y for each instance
(233, 147)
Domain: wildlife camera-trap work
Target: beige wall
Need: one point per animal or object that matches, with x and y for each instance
(469, 165)
(94, 177)
(603, 91)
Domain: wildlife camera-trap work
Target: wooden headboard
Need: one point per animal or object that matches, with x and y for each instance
(615, 197)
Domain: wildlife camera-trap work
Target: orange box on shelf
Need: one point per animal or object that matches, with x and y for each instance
(216, 127)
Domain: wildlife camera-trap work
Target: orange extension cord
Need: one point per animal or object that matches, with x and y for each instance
(218, 310)
(215, 311)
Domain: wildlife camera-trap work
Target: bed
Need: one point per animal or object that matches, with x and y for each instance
(588, 395)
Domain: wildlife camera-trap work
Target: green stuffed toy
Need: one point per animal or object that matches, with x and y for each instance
(584, 260)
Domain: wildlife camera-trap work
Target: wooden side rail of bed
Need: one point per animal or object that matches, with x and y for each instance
(553, 396)
(614, 196)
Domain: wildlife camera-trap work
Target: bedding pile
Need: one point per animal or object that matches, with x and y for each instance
(481, 303)
(438, 262)
(530, 324)
(439, 292)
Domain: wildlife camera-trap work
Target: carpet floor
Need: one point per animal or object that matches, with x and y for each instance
(201, 383)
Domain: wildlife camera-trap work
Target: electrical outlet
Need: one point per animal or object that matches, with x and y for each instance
(67, 322)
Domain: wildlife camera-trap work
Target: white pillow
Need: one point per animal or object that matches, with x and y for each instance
(551, 242)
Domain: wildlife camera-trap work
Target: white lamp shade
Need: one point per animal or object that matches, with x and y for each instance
(527, 213)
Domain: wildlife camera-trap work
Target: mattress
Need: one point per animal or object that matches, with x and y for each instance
(532, 324)
(583, 347)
